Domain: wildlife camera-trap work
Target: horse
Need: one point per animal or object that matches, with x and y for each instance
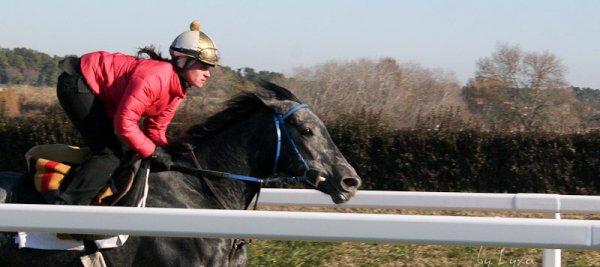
(267, 133)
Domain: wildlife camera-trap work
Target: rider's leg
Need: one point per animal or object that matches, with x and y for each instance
(87, 113)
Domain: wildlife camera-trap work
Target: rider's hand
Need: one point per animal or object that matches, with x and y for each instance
(161, 159)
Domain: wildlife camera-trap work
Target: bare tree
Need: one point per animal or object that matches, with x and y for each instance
(523, 90)
(400, 93)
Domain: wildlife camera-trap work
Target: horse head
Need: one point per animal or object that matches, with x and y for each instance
(308, 148)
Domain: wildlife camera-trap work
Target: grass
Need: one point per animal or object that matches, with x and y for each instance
(297, 253)
(303, 253)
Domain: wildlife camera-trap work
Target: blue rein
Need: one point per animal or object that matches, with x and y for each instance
(279, 120)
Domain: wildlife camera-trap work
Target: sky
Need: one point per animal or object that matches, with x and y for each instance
(282, 35)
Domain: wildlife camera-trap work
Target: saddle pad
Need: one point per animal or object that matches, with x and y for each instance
(47, 177)
(48, 164)
(49, 174)
(50, 241)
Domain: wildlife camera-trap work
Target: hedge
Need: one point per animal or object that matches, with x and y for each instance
(408, 159)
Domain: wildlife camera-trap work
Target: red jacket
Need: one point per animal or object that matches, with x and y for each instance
(132, 88)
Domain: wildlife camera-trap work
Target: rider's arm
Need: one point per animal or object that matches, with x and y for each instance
(156, 126)
(136, 99)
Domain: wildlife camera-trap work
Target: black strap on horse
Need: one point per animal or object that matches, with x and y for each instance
(236, 243)
(208, 183)
(218, 174)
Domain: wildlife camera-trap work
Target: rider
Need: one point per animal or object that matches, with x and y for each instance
(105, 95)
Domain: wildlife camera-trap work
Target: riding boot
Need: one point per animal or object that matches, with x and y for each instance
(85, 184)
(87, 181)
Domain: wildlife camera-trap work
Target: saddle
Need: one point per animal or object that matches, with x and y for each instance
(49, 166)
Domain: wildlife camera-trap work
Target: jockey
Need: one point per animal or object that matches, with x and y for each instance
(105, 95)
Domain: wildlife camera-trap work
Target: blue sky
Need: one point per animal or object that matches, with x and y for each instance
(282, 35)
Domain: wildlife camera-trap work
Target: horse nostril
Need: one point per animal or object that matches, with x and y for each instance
(350, 183)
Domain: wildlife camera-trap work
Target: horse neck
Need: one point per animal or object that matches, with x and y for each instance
(238, 150)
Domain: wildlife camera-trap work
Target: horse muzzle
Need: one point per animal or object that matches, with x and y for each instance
(340, 190)
(314, 178)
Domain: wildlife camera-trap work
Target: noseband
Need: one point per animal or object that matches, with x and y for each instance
(310, 176)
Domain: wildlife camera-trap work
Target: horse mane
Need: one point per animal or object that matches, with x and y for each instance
(238, 108)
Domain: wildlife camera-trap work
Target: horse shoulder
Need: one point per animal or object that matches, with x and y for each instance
(175, 190)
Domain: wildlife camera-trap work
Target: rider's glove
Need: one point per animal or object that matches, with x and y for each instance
(161, 159)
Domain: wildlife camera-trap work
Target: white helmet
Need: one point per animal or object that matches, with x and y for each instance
(195, 44)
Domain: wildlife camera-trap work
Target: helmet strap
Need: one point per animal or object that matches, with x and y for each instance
(181, 64)
(184, 63)
(184, 83)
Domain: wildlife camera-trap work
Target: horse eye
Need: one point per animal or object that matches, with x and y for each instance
(306, 132)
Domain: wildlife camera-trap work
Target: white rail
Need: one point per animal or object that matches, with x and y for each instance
(549, 204)
(551, 234)
(315, 226)
(544, 203)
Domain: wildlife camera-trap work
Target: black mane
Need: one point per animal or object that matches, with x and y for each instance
(238, 108)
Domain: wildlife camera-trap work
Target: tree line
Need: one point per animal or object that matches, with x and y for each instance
(24, 66)
(27, 66)
(407, 127)
(512, 90)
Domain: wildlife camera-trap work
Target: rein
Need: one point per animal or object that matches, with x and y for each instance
(279, 121)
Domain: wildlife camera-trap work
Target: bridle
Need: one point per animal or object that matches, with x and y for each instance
(311, 176)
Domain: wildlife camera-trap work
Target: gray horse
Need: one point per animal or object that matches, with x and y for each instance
(242, 139)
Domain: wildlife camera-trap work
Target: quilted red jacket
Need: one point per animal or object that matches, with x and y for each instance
(132, 89)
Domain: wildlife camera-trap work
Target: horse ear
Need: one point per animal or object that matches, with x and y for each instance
(274, 96)
(263, 93)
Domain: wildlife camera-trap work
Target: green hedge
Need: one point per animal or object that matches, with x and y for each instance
(386, 159)
(468, 160)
